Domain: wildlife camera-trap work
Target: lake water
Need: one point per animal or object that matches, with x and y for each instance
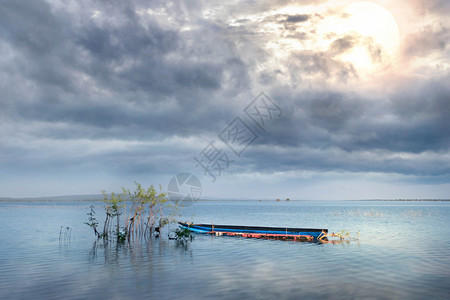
(403, 252)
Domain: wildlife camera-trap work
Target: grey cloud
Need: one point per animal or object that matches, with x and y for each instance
(430, 39)
(288, 22)
(346, 43)
(322, 64)
(364, 134)
(296, 18)
(334, 159)
(204, 76)
(40, 42)
(30, 26)
(126, 61)
(439, 7)
(343, 44)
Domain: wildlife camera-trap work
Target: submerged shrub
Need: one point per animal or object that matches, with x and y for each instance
(183, 235)
(92, 221)
(149, 212)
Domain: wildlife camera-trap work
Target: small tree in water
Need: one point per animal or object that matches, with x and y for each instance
(183, 236)
(114, 203)
(147, 208)
(145, 216)
(92, 221)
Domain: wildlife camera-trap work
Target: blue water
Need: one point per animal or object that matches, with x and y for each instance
(403, 252)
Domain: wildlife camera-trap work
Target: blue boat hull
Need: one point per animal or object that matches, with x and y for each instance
(210, 228)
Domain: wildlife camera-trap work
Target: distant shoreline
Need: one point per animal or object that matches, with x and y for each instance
(99, 198)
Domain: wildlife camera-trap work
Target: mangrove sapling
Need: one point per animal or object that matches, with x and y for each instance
(92, 221)
(183, 236)
(147, 209)
(121, 237)
(113, 207)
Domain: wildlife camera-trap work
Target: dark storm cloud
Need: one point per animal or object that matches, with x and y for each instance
(132, 57)
(406, 132)
(332, 159)
(102, 72)
(122, 63)
(411, 120)
(39, 40)
(30, 26)
(425, 108)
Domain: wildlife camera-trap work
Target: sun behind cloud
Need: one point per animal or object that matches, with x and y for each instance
(352, 41)
(366, 35)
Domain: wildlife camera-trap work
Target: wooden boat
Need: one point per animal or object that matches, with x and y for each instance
(257, 231)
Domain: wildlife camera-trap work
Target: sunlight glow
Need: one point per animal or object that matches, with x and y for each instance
(376, 36)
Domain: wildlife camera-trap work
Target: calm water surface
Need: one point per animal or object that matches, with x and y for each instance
(403, 253)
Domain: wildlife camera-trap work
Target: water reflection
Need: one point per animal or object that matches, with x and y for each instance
(141, 250)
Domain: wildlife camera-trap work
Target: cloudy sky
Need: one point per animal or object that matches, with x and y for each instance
(95, 95)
